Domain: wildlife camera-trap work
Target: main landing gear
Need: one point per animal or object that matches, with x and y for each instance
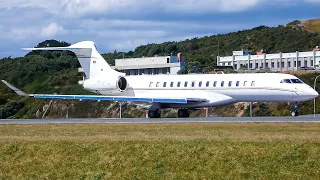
(294, 109)
(155, 112)
(183, 113)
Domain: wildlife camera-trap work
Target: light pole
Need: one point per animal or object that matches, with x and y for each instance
(120, 112)
(314, 99)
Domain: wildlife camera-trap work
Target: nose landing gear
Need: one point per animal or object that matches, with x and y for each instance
(294, 111)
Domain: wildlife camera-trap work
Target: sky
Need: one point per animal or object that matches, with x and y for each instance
(123, 25)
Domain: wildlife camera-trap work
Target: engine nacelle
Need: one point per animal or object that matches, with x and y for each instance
(111, 84)
(122, 84)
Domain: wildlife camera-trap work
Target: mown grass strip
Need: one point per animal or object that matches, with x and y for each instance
(164, 151)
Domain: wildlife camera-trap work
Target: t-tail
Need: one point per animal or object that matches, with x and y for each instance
(91, 61)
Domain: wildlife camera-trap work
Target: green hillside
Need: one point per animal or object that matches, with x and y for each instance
(56, 72)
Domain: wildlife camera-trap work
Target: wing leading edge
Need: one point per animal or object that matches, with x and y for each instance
(107, 98)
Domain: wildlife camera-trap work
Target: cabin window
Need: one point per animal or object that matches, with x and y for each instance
(238, 83)
(171, 84)
(192, 84)
(253, 83)
(186, 84)
(245, 83)
(230, 83)
(150, 85)
(215, 84)
(165, 84)
(200, 84)
(179, 83)
(158, 84)
(222, 83)
(208, 84)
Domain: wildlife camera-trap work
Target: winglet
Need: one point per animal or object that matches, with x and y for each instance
(18, 91)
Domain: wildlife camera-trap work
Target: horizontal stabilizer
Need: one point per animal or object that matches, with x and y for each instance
(18, 91)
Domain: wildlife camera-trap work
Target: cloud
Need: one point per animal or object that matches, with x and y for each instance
(52, 30)
(81, 8)
(126, 24)
(76, 8)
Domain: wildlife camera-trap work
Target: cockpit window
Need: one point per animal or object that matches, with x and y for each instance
(296, 81)
(286, 81)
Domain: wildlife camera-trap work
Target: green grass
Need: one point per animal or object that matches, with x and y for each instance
(160, 151)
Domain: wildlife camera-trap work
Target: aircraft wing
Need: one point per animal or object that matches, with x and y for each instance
(107, 98)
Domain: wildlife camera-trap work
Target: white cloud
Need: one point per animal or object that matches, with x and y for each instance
(125, 24)
(52, 30)
(76, 8)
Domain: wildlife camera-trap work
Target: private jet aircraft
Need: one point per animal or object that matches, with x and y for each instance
(184, 92)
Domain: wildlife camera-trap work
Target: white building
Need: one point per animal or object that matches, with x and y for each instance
(275, 62)
(151, 65)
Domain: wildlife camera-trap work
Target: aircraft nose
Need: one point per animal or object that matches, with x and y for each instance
(314, 93)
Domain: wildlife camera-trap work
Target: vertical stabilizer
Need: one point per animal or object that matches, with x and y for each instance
(90, 59)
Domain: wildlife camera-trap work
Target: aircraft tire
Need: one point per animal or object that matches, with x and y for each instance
(183, 113)
(294, 113)
(154, 114)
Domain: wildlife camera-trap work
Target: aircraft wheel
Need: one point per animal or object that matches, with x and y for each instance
(294, 113)
(183, 113)
(154, 114)
(154, 111)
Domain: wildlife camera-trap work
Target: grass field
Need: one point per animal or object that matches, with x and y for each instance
(161, 151)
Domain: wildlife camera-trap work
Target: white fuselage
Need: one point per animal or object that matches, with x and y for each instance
(218, 89)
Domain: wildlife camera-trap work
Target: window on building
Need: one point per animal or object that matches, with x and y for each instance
(245, 83)
(208, 83)
(171, 84)
(222, 83)
(186, 84)
(150, 85)
(165, 84)
(168, 60)
(200, 84)
(253, 83)
(311, 63)
(230, 83)
(289, 64)
(158, 84)
(178, 84)
(295, 64)
(215, 84)
(192, 84)
(272, 65)
(238, 83)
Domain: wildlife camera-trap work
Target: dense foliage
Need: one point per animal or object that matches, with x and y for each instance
(56, 71)
(204, 51)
